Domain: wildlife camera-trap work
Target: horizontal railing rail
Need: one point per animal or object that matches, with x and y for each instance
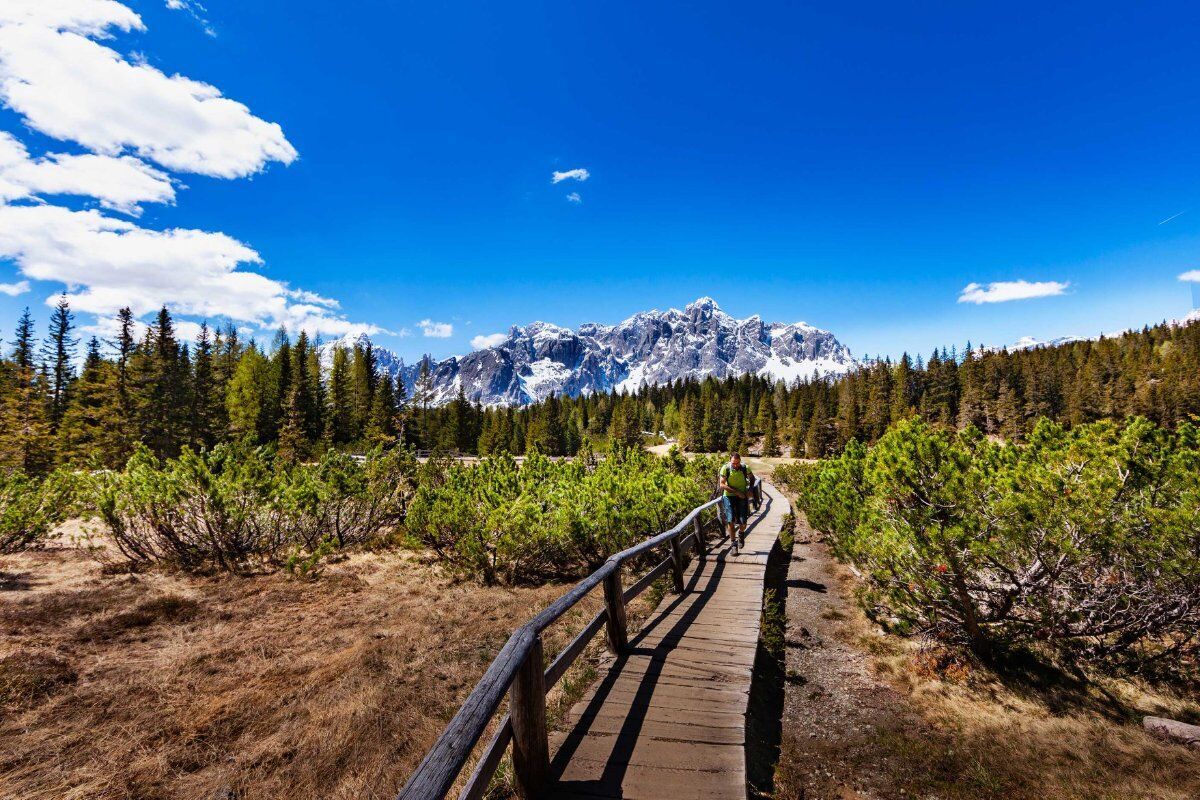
(518, 671)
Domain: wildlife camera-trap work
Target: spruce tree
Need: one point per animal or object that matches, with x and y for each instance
(25, 442)
(339, 398)
(58, 354)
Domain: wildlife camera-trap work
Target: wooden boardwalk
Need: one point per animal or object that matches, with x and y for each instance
(668, 720)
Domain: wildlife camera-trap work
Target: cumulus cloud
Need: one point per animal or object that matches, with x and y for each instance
(484, 341)
(67, 85)
(89, 17)
(1005, 291)
(436, 330)
(1191, 276)
(119, 183)
(109, 263)
(570, 175)
(574, 197)
(56, 74)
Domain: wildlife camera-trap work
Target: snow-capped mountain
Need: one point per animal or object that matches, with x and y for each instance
(652, 347)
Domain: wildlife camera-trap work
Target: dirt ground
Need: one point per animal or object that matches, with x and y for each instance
(873, 716)
(161, 685)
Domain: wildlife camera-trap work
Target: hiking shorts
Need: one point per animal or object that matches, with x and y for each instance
(735, 509)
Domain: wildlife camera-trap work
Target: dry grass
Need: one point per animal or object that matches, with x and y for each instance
(959, 731)
(168, 686)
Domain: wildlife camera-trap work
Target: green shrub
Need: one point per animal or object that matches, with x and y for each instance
(1085, 541)
(237, 507)
(500, 522)
(31, 507)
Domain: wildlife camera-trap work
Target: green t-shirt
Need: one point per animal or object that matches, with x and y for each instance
(738, 479)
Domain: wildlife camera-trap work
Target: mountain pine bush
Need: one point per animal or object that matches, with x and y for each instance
(501, 522)
(30, 507)
(1083, 541)
(238, 507)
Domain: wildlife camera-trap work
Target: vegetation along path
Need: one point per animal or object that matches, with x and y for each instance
(668, 720)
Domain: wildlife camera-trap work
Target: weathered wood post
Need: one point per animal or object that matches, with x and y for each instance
(614, 604)
(676, 565)
(701, 539)
(527, 711)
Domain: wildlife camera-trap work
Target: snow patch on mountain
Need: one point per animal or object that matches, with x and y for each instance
(648, 348)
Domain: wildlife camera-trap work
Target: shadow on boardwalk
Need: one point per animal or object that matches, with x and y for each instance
(669, 717)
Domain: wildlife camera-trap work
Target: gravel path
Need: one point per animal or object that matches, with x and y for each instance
(835, 709)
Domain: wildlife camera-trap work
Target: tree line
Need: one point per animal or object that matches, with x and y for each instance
(1152, 373)
(156, 389)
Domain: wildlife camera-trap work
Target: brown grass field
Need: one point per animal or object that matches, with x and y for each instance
(160, 685)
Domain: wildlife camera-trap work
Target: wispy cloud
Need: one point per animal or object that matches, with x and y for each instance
(197, 12)
(484, 341)
(574, 197)
(1173, 216)
(14, 289)
(436, 330)
(1005, 291)
(579, 174)
(1191, 276)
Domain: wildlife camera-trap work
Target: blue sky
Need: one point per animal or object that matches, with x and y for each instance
(855, 167)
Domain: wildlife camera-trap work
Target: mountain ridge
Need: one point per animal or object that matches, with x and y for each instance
(649, 347)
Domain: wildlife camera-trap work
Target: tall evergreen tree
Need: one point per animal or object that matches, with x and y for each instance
(58, 355)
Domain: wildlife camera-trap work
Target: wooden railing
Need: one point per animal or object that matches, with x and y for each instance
(519, 671)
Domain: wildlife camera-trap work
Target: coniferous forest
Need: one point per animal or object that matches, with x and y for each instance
(156, 389)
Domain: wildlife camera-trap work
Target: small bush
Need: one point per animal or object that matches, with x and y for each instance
(31, 507)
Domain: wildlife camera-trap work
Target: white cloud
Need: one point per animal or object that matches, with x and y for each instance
(570, 175)
(574, 197)
(1191, 276)
(484, 341)
(196, 11)
(14, 289)
(90, 17)
(68, 86)
(1004, 291)
(120, 183)
(108, 263)
(436, 330)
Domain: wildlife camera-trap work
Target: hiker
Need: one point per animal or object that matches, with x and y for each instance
(736, 480)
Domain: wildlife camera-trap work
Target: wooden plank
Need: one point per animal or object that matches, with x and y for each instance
(614, 604)
(485, 768)
(668, 720)
(527, 712)
(644, 582)
(571, 652)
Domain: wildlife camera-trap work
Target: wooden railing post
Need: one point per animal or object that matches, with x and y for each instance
(614, 604)
(701, 540)
(676, 565)
(527, 710)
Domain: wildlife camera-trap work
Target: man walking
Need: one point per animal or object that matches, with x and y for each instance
(736, 479)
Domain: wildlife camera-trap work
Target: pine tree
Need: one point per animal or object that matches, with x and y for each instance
(159, 369)
(248, 397)
(339, 398)
(206, 402)
(25, 442)
(381, 426)
(770, 437)
(92, 431)
(58, 354)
